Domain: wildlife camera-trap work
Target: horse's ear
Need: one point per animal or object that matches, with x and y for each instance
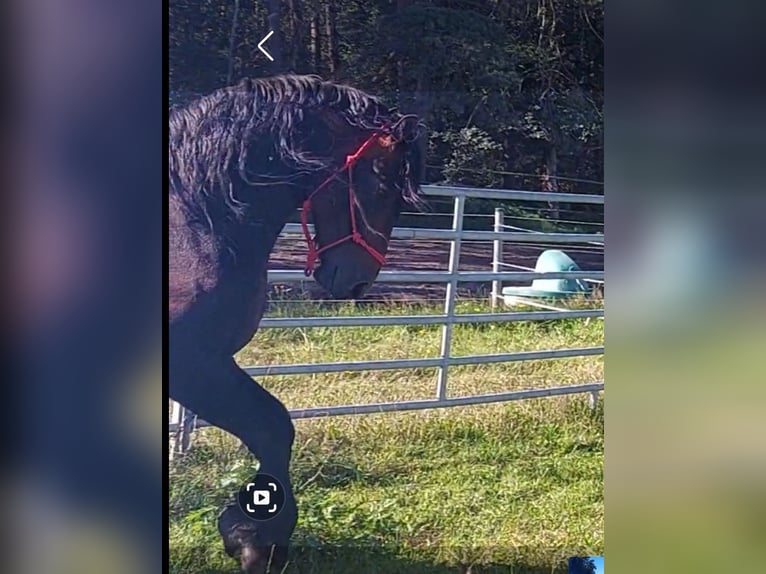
(409, 129)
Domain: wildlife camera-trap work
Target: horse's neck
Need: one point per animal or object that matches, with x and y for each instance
(266, 219)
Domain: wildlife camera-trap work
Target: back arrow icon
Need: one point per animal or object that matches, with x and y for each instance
(262, 49)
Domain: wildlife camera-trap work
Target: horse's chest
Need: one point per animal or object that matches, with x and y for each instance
(224, 308)
(243, 303)
(218, 292)
(192, 274)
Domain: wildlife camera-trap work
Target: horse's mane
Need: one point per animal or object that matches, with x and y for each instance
(209, 138)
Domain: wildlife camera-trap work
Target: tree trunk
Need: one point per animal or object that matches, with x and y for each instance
(299, 55)
(422, 104)
(274, 45)
(331, 34)
(232, 37)
(419, 102)
(404, 99)
(510, 156)
(316, 45)
(550, 180)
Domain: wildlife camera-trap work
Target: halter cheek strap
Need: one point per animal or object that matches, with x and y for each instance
(355, 236)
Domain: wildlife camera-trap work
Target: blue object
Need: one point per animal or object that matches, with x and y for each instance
(551, 261)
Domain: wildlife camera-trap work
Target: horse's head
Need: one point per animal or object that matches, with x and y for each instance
(356, 207)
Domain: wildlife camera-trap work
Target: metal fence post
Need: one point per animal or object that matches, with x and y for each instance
(187, 428)
(185, 421)
(497, 256)
(176, 418)
(449, 299)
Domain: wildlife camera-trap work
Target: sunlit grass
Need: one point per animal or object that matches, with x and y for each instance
(515, 485)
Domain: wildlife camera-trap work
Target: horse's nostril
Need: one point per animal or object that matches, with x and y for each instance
(359, 289)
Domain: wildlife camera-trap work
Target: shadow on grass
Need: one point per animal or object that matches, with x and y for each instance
(372, 560)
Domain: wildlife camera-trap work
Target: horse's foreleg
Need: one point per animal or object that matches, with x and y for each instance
(226, 397)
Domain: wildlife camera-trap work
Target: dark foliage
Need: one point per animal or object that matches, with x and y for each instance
(511, 90)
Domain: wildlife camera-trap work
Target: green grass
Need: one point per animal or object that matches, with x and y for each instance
(514, 487)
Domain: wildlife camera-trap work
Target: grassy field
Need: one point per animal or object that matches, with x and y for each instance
(508, 488)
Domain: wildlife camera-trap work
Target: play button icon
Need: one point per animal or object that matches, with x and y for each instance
(262, 498)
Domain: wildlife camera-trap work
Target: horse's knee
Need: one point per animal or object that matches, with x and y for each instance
(290, 429)
(283, 429)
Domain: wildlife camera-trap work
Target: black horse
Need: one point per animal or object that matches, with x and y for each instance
(241, 161)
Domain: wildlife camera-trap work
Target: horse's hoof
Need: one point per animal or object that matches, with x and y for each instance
(263, 559)
(244, 540)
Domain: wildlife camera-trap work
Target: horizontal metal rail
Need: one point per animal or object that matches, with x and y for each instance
(389, 364)
(510, 194)
(501, 264)
(286, 275)
(449, 234)
(344, 410)
(599, 241)
(387, 320)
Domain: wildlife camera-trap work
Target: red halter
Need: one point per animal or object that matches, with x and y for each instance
(313, 248)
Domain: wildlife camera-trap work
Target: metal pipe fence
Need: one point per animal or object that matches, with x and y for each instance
(183, 422)
(499, 225)
(465, 235)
